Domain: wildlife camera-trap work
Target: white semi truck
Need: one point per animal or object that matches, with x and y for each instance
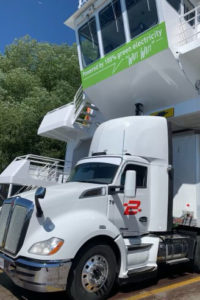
(113, 219)
(127, 207)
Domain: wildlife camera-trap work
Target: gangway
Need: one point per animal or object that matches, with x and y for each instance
(70, 121)
(73, 123)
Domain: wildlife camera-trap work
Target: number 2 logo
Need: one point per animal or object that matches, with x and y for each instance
(132, 207)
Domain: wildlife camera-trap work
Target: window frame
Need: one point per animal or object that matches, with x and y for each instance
(125, 34)
(103, 164)
(80, 45)
(137, 165)
(158, 21)
(171, 5)
(126, 27)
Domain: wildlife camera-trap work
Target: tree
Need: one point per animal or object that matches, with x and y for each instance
(34, 79)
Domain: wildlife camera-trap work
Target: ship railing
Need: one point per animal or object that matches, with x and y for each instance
(189, 26)
(44, 168)
(78, 99)
(84, 111)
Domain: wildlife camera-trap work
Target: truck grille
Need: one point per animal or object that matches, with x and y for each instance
(14, 219)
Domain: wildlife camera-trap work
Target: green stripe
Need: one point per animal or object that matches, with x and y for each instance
(139, 49)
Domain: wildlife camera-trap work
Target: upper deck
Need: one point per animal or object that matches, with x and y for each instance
(138, 51)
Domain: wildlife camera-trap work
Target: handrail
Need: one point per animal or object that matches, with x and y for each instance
(78, 98)
(189, 26)
(38, 158)
(42, 167)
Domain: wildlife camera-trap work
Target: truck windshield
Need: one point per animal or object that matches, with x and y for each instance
(95, 172)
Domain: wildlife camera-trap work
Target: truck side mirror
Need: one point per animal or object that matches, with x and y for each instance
(130, 184)
(39, 194)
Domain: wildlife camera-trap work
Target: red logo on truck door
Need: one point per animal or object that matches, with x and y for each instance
(132, 207)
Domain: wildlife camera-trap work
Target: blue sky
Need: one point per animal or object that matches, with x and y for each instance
(41, 19)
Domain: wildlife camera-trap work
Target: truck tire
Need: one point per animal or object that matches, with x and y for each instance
(196, 265)
(93, 273)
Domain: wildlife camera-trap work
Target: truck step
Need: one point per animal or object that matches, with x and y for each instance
(177, 261)
(135, 272)
(139, 247)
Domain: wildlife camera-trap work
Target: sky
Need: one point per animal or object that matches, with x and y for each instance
(43, 20)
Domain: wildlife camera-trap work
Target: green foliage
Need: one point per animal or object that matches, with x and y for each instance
(34, 79)
(19, 83)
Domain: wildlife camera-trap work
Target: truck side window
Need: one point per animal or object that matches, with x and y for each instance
(112, 27)
(142, 15)
(141, 175)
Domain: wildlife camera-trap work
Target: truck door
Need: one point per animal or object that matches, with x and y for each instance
(131, 216)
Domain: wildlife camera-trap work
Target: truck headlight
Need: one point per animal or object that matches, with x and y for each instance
(47, 247)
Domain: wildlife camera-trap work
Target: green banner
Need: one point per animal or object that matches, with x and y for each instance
(139, 49)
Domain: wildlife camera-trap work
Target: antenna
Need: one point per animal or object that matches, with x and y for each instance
(123, 142)
(139, 109)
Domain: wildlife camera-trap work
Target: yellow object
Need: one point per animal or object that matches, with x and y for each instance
(144, 295)
(167, 113)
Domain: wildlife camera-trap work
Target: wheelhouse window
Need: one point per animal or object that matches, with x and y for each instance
(176, 4)
(142, 15)
(89, 42)
(112, 28)
(96, 172)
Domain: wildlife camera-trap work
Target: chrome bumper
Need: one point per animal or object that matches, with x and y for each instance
(38, 276)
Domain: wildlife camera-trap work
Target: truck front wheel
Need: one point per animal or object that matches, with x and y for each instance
(93, 273)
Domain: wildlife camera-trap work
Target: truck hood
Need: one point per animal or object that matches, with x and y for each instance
(60, 198)
(66, 215)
